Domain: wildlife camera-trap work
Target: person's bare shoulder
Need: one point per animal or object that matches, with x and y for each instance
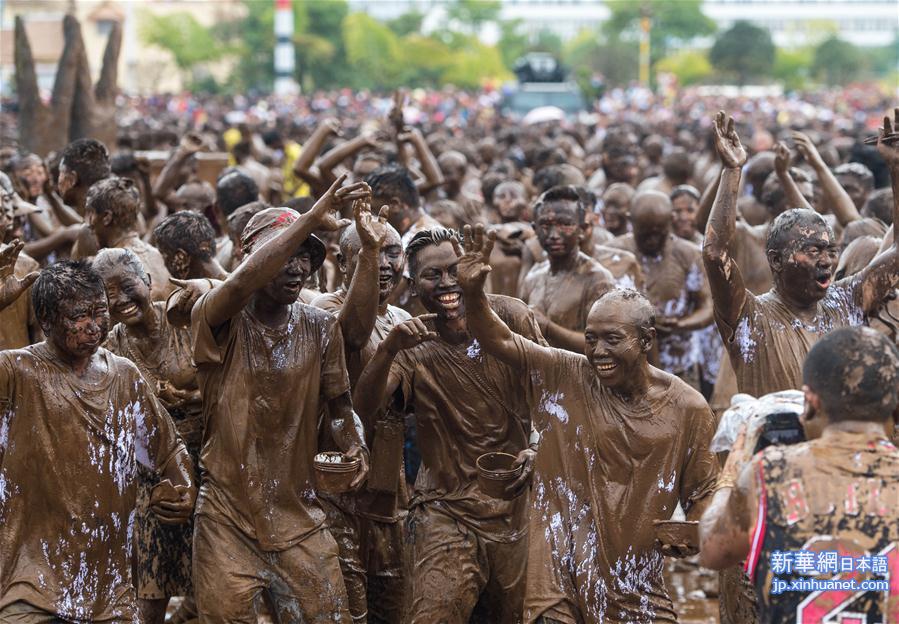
(625, 241)
(330, 302)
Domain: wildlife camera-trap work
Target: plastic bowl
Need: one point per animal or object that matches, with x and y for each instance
(495, 474)
(334, 472)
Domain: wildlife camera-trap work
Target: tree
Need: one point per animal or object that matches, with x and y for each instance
(672, 21)
(689, 66)
(744, 51)
(836, 61)
(547, 41)
(512, 44)
(474, 13)
(189, 42)
(408, 23)
(791, 67)
(592, 52)
(373, 51)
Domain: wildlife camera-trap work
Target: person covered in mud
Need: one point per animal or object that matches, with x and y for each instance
(674, 282)
(367, 525)
(186, 241)
(798, 512)
(77, 421)
(562, 288)
(267, 366)
(685, 207)
(83, 163)
(111, 211)
(621, 444)
(616, 209)
(512, 233)
(18, 327)
(162, 353)
(466, 550)
(768, 336)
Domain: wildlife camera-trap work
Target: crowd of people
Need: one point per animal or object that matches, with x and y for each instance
(677, 326)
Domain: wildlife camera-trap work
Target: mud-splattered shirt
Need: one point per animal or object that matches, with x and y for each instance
(768, 344)
(673, 280)
(566, 298)
(467, 403)
(69, 453)
(605, 471)
(263, 389)
(836, 495)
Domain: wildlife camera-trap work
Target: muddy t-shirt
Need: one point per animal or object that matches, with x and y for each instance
(835, 494)
(69, 454)
(154, 265)
(171, 362)
(263, 389)
(467, 403)
(566, 297)
(605, 471)
(768, 344)
(15, 318)
(673, 279)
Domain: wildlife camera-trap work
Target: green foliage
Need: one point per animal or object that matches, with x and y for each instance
(372, 51)
(474, 13)
(473, 66)
(837, 62)
(744, 51)
(547, 41)
(672, 22)
(689, 66)
(791, 67)
(408, 23)
(189, 42)
(512, 44)
(591, 51)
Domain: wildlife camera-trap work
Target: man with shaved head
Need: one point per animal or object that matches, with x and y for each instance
(674, 282)
(621, 444)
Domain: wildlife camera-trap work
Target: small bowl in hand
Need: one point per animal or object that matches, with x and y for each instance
(495, 474)
(334, 472)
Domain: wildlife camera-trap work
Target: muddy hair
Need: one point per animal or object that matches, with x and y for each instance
(856, 170)
(89, 159)
(71, 280)
(117, 196)
(644, 311)
(107, 259)
(854, 371)
(188, 231)
(879, 205)
(393, 181)
(779, 234)
(560, 194)
(235, 189)
(426, 238)
(773, 193)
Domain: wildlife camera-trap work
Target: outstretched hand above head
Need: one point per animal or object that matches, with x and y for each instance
(727, 142)
(474, 264)
(372, 229)
(889, 149)
(332, 200)
(11, 287)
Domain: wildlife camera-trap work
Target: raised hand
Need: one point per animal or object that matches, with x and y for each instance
(808, 150)
(410, 333)
(889, 150)
(372, 229)
(474, 264)
(191, 143)
(11, 287)
(782, 159)
(334, 197)
(727, 142)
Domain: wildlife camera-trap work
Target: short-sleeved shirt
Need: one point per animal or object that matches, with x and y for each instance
(467, 403)
(15, 318)
(69, 452)
(768, 343)
(605, 471)
(552, 293)
(154, 264)
(673, 280)
(263, 389)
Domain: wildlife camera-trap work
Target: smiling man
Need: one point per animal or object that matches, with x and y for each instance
(768, 336)
(267, 366)
(621, 444)
(465, 548)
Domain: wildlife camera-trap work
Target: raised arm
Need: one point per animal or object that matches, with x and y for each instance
(376, 383)
(705, 203)
(782, 161)
(311, 149)
(433, 177)
(360, 310)
(11, 287)
(879, 278)
(169, 176)
(835, 195)
(725, 279)
(491, 332)
(261, 266)
(330, 160)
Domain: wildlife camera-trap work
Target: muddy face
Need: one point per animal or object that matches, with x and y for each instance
(80, 326)
(613, 342)
(436, 282)
(32, 176)
(684, 212)
(285, 288)
(651, 230)
(854, 188)
(616, 212)
(509, 201)
(128, 294)
(391, 261)
(807, 263)
(66, 183)
(558, 229)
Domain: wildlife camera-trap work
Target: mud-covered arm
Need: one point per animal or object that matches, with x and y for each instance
(725, 529)
(703, 312)
(42, 247)
(782, 160)
(873, 283)
(705, 203)
(725, 280)
(433, 176)
(11, 287)
(311, 149)
(333, 157)
(260, 267)
(168, 177)
(835, 195)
